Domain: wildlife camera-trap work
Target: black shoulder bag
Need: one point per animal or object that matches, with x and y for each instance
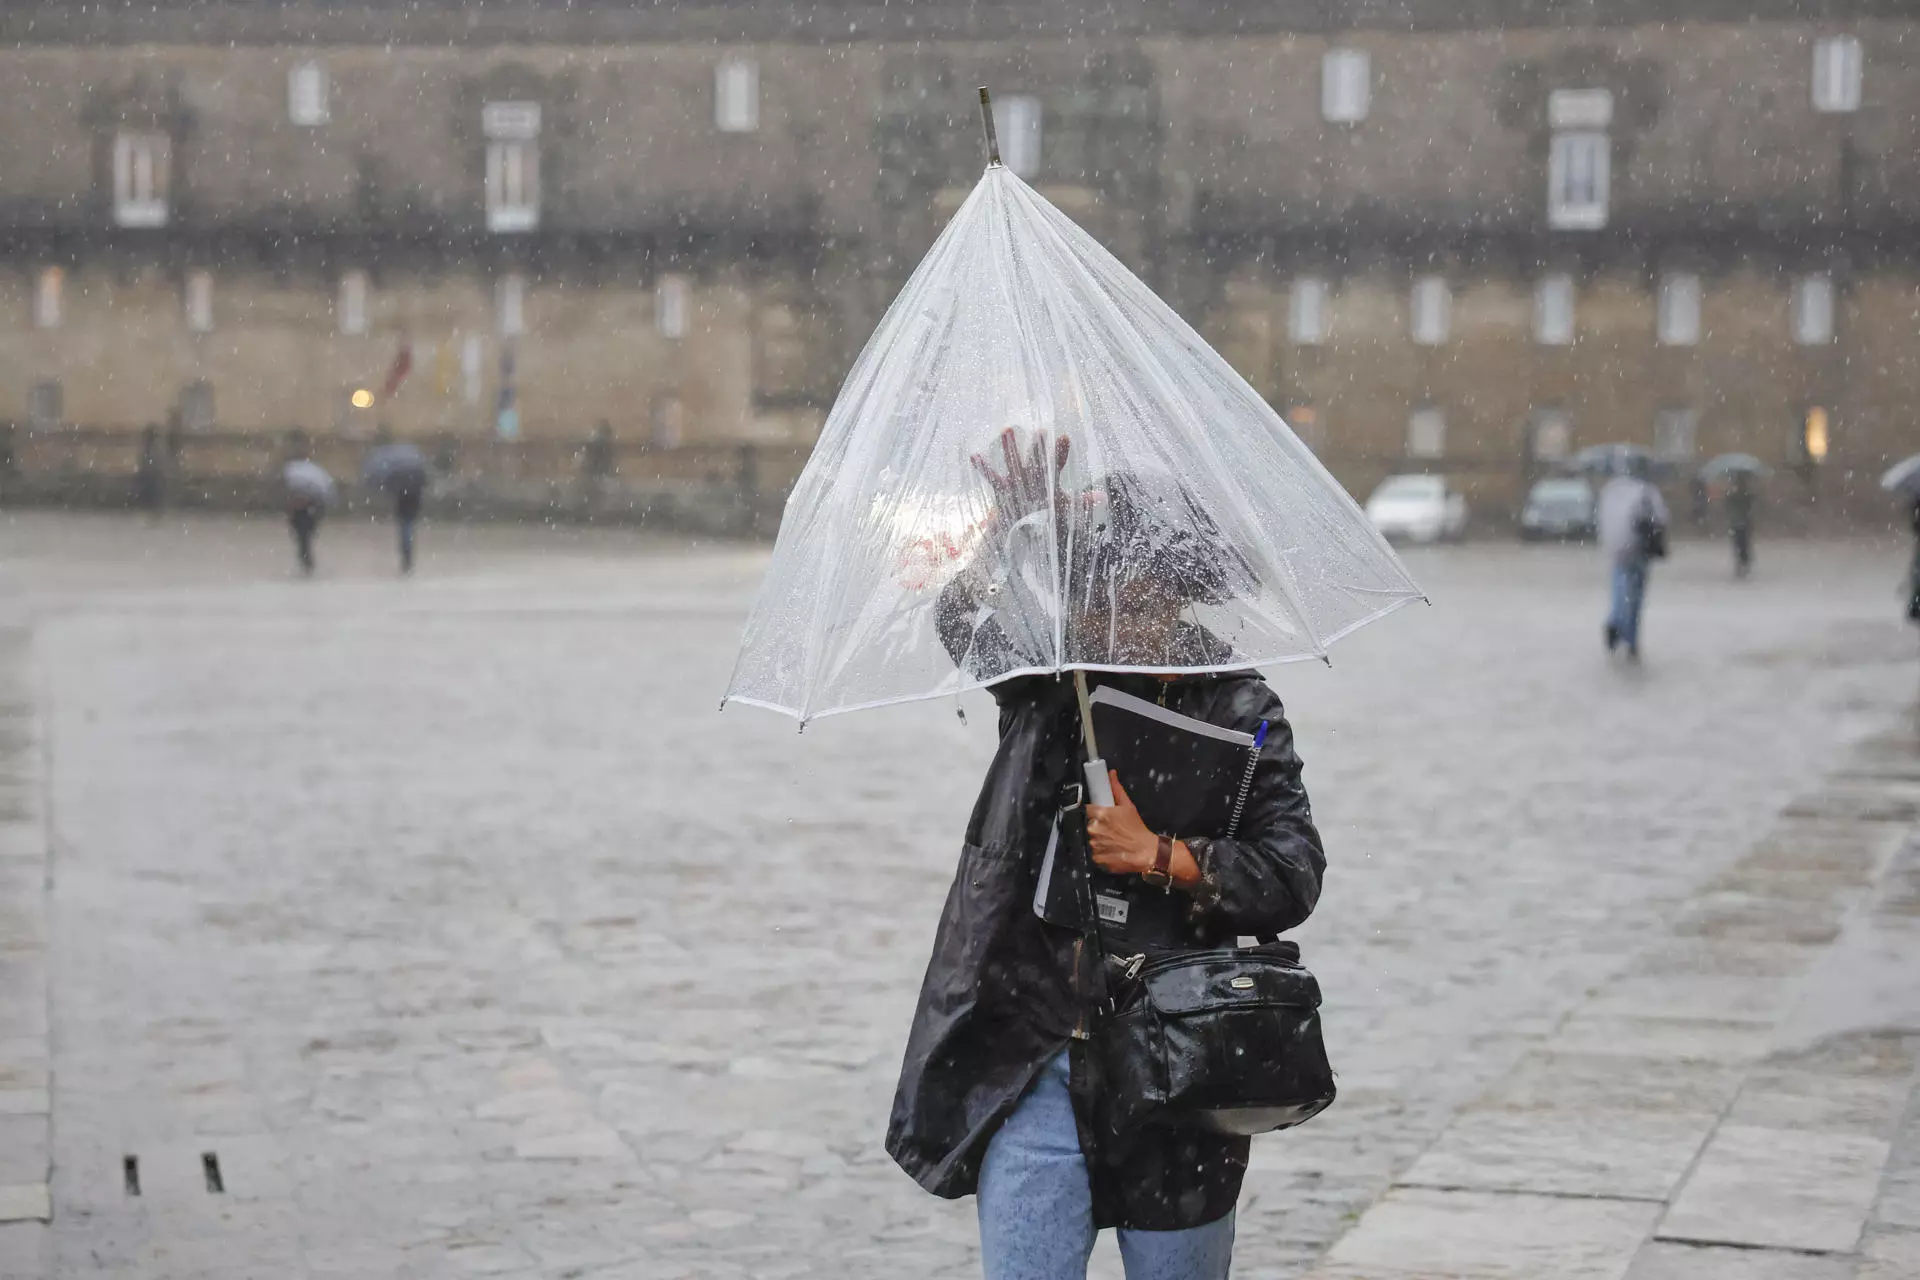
(1219, 1038)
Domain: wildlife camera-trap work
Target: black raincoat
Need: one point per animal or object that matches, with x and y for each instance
(1005, 991)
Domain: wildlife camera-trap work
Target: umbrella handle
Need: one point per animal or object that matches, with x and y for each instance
(1099, 786)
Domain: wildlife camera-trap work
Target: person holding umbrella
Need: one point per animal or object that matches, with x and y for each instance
(1192, 538)
(1741, 472)
(310, 490)
(401, 470)
(995, 1096)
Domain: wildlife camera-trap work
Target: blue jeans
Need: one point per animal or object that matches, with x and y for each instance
(406, 542)
(1036, 1208)
(1629, 591)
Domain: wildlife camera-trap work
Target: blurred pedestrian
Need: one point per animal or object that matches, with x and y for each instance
(309, 490)
(596, 465)
(1913, 571)
(1740, 521)
(401, 470)
(408, 491)
(1633, 534)
(149, 472)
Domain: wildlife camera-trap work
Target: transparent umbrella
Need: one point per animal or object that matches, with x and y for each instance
(1036, 466)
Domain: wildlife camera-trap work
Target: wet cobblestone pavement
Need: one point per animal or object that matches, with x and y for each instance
(451, 919)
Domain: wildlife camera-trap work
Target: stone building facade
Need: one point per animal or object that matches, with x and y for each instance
(1439, 237)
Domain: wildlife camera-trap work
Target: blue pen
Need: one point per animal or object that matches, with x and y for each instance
(1261, 736)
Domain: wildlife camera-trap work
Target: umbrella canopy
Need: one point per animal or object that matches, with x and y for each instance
(1613, 460)
(1728, 464)
(394, 466)
(1029, 418)
(1903, 477)
(308, 480)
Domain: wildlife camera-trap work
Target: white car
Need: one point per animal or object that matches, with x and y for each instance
(1418, 509)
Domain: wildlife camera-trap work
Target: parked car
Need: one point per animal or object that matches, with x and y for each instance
(1559, 507)
(1418, 508)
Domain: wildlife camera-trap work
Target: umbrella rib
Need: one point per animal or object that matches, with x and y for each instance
(1148, 363)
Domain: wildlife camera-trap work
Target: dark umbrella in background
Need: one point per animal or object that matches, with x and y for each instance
(394, 467)
(308, 481)
(1732, 464)
(1903, 478)
(1616, 459)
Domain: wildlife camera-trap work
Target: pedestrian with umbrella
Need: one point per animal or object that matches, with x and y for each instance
(1741, 472)
(1038, 480)
(1903, 478)
(400, 470)
(310, 491)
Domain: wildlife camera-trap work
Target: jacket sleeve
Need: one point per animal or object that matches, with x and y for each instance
(1266, 878)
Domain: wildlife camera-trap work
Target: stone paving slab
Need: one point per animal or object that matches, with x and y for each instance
(1890, 1255)
(1582, 1124)
(1669, 1261)
(1471, 1235)
(1780, 1189)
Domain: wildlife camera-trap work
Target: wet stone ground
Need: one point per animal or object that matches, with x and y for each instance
(449, 917)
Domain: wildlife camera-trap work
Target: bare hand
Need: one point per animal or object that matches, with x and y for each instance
(1118, 839)
(1026, 485)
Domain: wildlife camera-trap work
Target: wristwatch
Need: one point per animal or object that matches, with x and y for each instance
(1161, 874)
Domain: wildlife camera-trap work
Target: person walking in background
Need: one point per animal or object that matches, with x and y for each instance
(149, 474)
(1740, 521)
(1913, 570)
(1633, 534)
(401, 470)
(408, 490)
(309, 490)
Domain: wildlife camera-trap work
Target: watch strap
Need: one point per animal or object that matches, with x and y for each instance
(1162, 873)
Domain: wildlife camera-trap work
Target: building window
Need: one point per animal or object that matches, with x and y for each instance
(1426, 433)
(1813, 310)
(513, 165)
(1579, 158)
(307, 94)
(1019, 129)
(1550, 435)
(1553, 310)
(1345, 85)
(1307, 311)
(509, 305)
(1836, 74)
(668, 427)
(1813, 435)
(196, 405)
(1432, 310)
(199, 301)
(49, 290)
(46, 405)
(470, 368)
(736, 95)
(352, 307)
(1673, 434)
(140, 179)
(672, 299)
(1677, 321)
